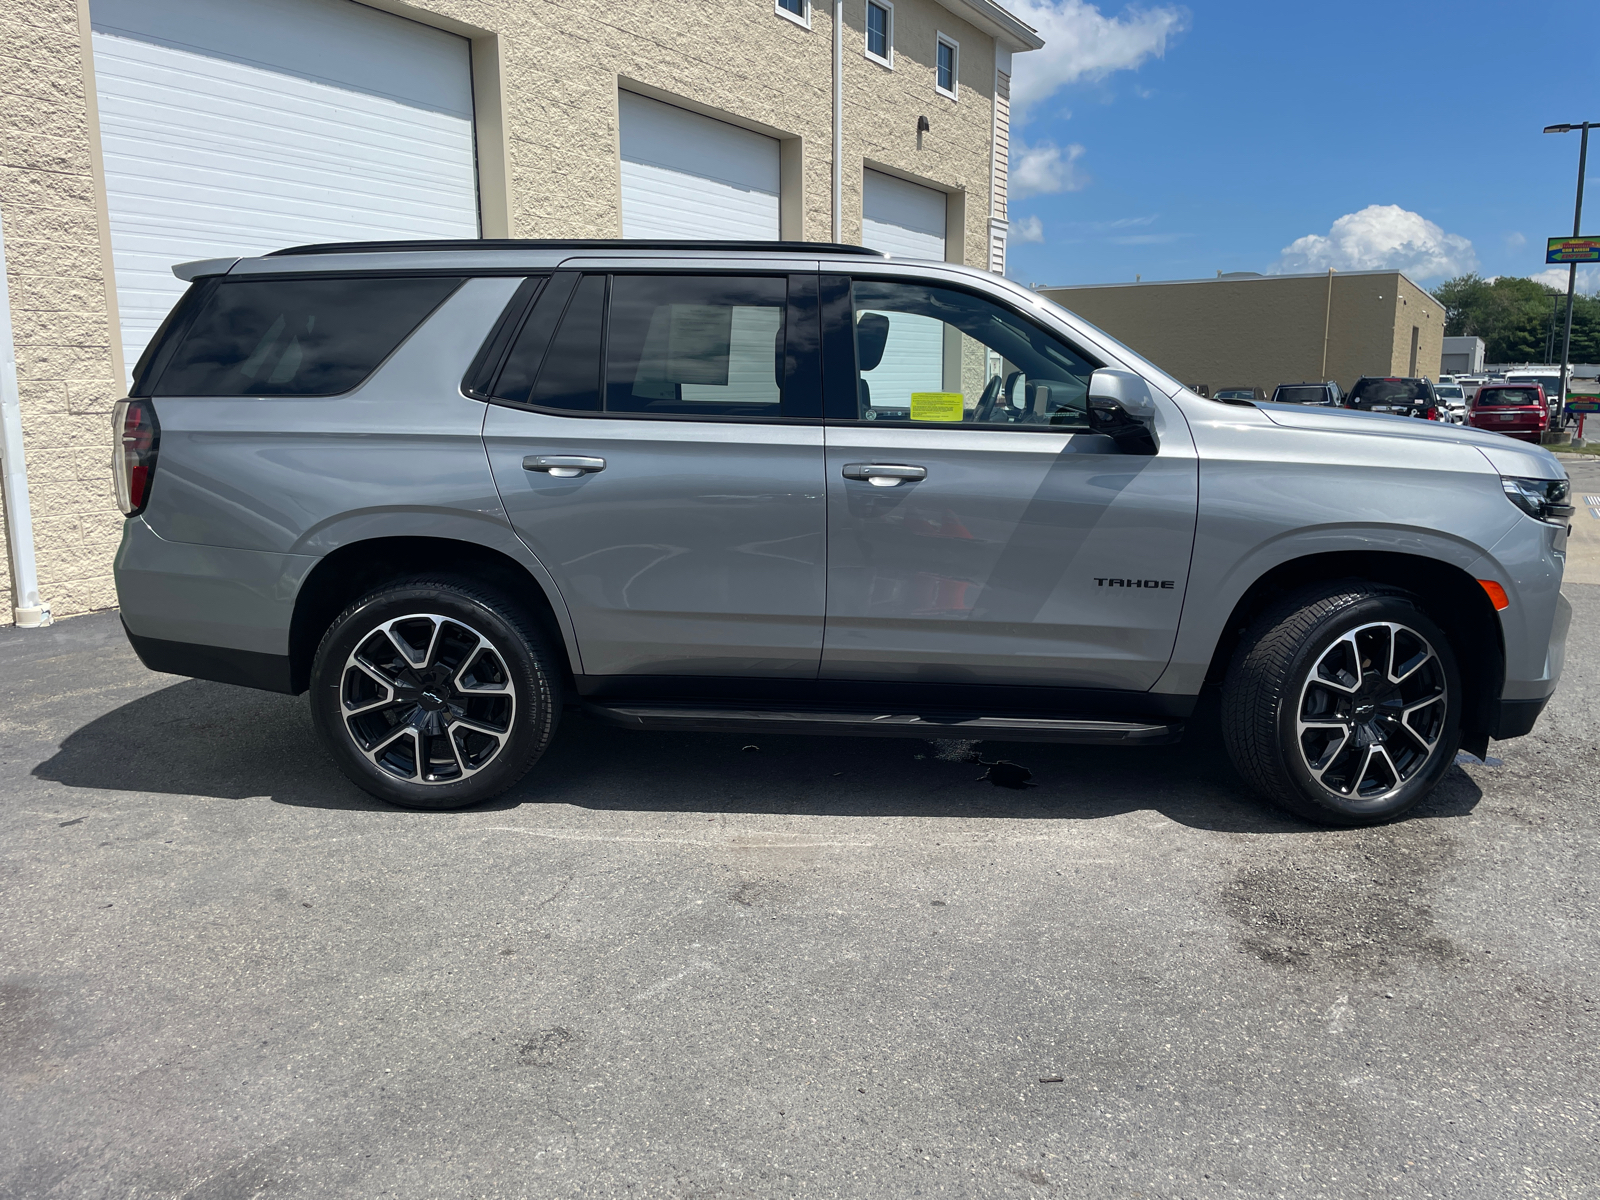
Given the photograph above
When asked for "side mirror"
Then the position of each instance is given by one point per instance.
(1121, 406)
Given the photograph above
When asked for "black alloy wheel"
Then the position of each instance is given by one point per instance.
(1343, 704)
(434, 693)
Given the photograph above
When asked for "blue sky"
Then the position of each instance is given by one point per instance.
(1261, 124)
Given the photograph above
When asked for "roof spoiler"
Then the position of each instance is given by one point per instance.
(190, 271)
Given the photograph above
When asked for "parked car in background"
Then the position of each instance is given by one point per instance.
(1237, 394)
(1549, 381)
(1517, 410)
(1447, 379)
(1326, 394)
(1402, 397)
(1452, 403)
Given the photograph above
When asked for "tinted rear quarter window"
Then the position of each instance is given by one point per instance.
(297, 337)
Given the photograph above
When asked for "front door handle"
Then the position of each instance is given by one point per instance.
(564, 466)
(884, 474)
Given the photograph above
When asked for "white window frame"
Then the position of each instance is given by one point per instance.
(803, 21)
(944, 39)
(888, 35)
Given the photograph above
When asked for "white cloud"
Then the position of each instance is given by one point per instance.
(1515, 241)
(1047, 167)
(1082, 43)
(1381, 237)
(1029, 229)
(1556, 277)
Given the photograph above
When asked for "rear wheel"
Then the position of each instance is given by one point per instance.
(1343, 704)
(434, 693)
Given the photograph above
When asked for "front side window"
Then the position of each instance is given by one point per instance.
(946, 69)
(935, 356)
(880, 32)
(688, 345)
(297, 337)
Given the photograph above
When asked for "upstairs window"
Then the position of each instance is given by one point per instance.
(880, 32)
(945, 72)
(798, 11)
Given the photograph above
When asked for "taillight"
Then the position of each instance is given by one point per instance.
(1433, 414)
(133, 462)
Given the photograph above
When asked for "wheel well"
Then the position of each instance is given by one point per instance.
(1451, 597)
(351, 571)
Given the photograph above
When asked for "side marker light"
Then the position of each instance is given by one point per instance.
(1497, 594)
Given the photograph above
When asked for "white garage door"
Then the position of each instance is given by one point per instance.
(242, 127)
(688, 176)
(904, 219)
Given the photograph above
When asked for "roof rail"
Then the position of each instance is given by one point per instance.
(572, 244)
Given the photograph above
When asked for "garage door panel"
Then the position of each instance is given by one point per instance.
(208, 156)
(685, 175)
(901, 218)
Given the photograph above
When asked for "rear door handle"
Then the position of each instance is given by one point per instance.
(564, 466)
(884, 474)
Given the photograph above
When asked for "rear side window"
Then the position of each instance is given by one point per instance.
(555, 360)
(686, 345)
(297, 337)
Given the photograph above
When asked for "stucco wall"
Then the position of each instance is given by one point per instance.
(56, 267)
(1269, 330)
(546, 77)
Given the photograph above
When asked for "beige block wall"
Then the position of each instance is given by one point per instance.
(1269, 330)
(58, 274)
(546, 78)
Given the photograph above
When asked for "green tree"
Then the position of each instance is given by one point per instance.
(1513, 316)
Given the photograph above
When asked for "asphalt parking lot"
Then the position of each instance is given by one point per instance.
(672, 966)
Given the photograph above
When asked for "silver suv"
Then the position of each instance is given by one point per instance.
(456, 488)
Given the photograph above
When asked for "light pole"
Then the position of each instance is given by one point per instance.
(1572, 268)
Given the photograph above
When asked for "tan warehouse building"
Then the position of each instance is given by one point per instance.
(1257, 331)
(141, 133)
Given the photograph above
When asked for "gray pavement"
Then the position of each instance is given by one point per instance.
(670, 966)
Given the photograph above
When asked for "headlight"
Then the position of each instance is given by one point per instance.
(1542, 499)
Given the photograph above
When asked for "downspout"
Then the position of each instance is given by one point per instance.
(1327, 322)
(838, 120)
(27, 611)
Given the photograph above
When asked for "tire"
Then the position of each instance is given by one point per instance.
(1333, 753)
(434, 693)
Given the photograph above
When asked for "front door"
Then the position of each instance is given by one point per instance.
(977, 533)
(655, 443)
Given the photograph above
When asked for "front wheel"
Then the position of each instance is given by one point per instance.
(434, 693)
(1343, 704)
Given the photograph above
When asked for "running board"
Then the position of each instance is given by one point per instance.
(702, 719)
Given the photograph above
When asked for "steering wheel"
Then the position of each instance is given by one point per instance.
(984, 410)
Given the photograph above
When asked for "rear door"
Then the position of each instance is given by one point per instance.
(656, 442)
(977, 533)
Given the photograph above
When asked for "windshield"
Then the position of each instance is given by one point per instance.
(1450, 393)
(1369, 392)
(1301, 395)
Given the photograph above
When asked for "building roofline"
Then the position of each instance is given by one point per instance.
(1015, 34)
(1240, 278)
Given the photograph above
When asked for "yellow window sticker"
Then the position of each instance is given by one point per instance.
(936, 406)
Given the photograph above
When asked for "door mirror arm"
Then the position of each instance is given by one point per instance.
(1121, 407)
